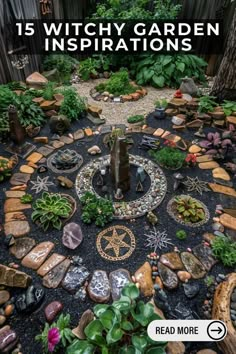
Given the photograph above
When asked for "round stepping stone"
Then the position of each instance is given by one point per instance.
(17, 228)
(208, 165)
(193, 265)
(220, 173)
(194, 149)
(26, 169)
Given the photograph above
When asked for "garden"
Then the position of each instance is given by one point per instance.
(118, 189)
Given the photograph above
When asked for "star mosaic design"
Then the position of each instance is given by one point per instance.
(194, 184)
(112, 240)
(41, 184)
(157, 239)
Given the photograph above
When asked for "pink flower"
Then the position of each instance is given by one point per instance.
(53, 338)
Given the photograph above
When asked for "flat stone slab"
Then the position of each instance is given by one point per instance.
(144, 277)
(193, 265)
(204, 158)
(13, 278)
(66, 139)
(57, 144)
(220, 173)
(168, 277)
(34, 157)
(79, 134)
(26, 169)
(50, 263)
(208, 165)
(218, 188)
(99, 287)
(38, 255)
(194, 149)
(15, 215)
(19, 178)
(172, 260)
(228, 221)
(46, 150)
(4, 296)
(205, 256)
(54, 278)
(14, 204)
(17, 228)
(75, 278)
(22, 247)
(118, 279)
(14, 194)
(158, 132)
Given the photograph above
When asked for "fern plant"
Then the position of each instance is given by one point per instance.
(50, 209)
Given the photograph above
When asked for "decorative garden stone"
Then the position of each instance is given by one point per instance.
(50, 263)
(52, 310)
(37, 256)
(17, 228)
(53, 279)
(75, 278)
(191, 289)
(205, 256)
(59, 124)
(8, 339)
(30, 300)
(193, 265)
(13, 278)
(72, 235)
(4, 297)
(22, 247)
(118, 279)
(143, 276)
(188, 86)
(85, 319)
(168, 277)
(99, 287)
(120, 168)
(172, 260)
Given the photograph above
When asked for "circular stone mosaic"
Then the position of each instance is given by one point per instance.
(52, 166)
(135, 208)
(174, 215)
(116, 243)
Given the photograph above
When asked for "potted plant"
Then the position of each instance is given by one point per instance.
(136, 120)
(160, 108)
(188, 210)
(52, 210)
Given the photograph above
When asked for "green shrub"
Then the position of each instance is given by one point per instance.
(64, 63)
(50, 209)
(29, 112)
(49, 91)
(206, 104)
(16, 85)
(6, 98)
(27, 198)
(229, 107)
(167, 70)
(168, 157)
(120, 327)
(181, 234)
(135, 119)
(5, 170)
(73, 105)
(189, 209)
(118, 84)
(225, 250)
(99, 210)
(87, 67)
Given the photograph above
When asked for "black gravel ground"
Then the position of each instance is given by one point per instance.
(28, 326)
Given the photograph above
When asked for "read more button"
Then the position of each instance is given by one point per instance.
(187, 330)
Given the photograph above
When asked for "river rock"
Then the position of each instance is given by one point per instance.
(4, 296)
(168, 277)
(75, 278)
(175, 348)
(50, 263)
(72, 235)
(79, 134)
(94, 150)
(194, 149)
(55, 276)
(183, 275)
(99, 287)
(37, 256)
(22, 247)
(17, 228)
(85, 319)
(30, 300)
(220, 173)
(193, 265)
(205, 256)
(172, 260)
(8, 339)
(191, 289)
(36, 80)
(52, 310)
(65, 182)
(26, 169)
(118, 279)
(144, 277)
(13, 278)
(14, 204)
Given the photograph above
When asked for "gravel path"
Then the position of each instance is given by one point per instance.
(117, 113)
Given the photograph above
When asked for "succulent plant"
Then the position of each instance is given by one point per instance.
(65, 160)
(27, 198)
(5, 169)
(50, 209)
(189, 209)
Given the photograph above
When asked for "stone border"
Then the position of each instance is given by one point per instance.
(180, 221)
(135, 208)
(135, 96)
(54, 169)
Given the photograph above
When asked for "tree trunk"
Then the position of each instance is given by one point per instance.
(224, 87)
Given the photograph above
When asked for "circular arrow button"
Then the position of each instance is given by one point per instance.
(217, 330)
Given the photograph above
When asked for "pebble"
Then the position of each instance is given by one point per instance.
(52, 310)
(9, 310)
(4, 296)
(218, 227)
(2, 320)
